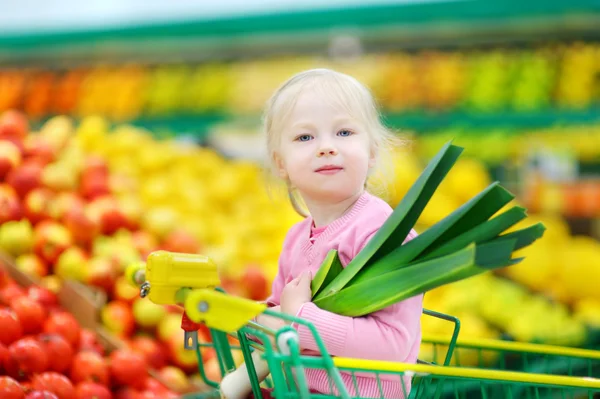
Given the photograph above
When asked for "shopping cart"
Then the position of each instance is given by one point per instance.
(226, 316)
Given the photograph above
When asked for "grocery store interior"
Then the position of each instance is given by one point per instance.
(129, 127)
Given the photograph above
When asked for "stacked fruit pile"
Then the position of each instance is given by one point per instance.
(45, 353)
(65, 216)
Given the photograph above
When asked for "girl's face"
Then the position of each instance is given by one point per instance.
(323, 152)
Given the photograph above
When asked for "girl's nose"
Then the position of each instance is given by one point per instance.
(327, 151)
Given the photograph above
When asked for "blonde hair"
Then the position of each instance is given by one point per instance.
(342, 90)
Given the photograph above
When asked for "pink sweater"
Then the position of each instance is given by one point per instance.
(391, 334)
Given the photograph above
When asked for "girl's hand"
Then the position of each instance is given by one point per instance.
(296, 293)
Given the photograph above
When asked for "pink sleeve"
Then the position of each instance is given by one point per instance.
(391, 332)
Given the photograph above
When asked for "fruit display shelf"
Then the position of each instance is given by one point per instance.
(104, 197)
(543, 85)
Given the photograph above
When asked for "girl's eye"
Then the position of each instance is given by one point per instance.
(344, 133)
(304, 137)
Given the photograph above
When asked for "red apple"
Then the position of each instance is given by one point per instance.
(128, 393)
(125, 291)
(10, 157)
(43, 296)
(144, 242)
(169, 326)
(255, 282)
(91, 367)
(101, 274)
(181, 357)
(14, 125)
(175, 378)
(55, 383)
(64, 202)
(132, 208)
(11, 329)
(94, 186)
(64, 324)
(27, 357)
(89, 342)
(51, 240)
(212, 370)
(57, 130)
(10, 207)
(11, 291)
(25, 178)
(128, 368)
(72, 264)
(117, 318)
(37, 148)
(82, 225)
(37, 204)
(95, 165)
(59, 350)
(156, 387)
(106, 210)
(32, 265)
(153, 351)
(30, 313)
(87, 390)
(147, 314)
(180, 241)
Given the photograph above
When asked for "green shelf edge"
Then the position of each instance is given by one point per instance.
(421, 123)
(422, 14)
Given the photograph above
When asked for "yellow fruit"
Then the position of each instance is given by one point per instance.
(588, 311)
(467, 178)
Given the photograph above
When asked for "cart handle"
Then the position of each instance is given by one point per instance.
(465, 372)
(510, 346)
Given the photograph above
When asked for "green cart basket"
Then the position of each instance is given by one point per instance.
(505, 370)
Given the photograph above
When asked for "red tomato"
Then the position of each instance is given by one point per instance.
(152, 350)
(60, 353)
(55, 383)
(63, 323)
(11, 327)
(27, 357)
(41, 395)
(128, 368)
(10, 292)
(30, 313)
(43, 296)
(90, 366)
(87, 390)
(89, 342)
(10, 389)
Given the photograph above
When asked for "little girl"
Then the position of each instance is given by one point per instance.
(324, 139)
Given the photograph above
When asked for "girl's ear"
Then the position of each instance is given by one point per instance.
(373, 156)
(279, 164)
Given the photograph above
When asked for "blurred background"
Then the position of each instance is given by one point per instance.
(134, 125)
